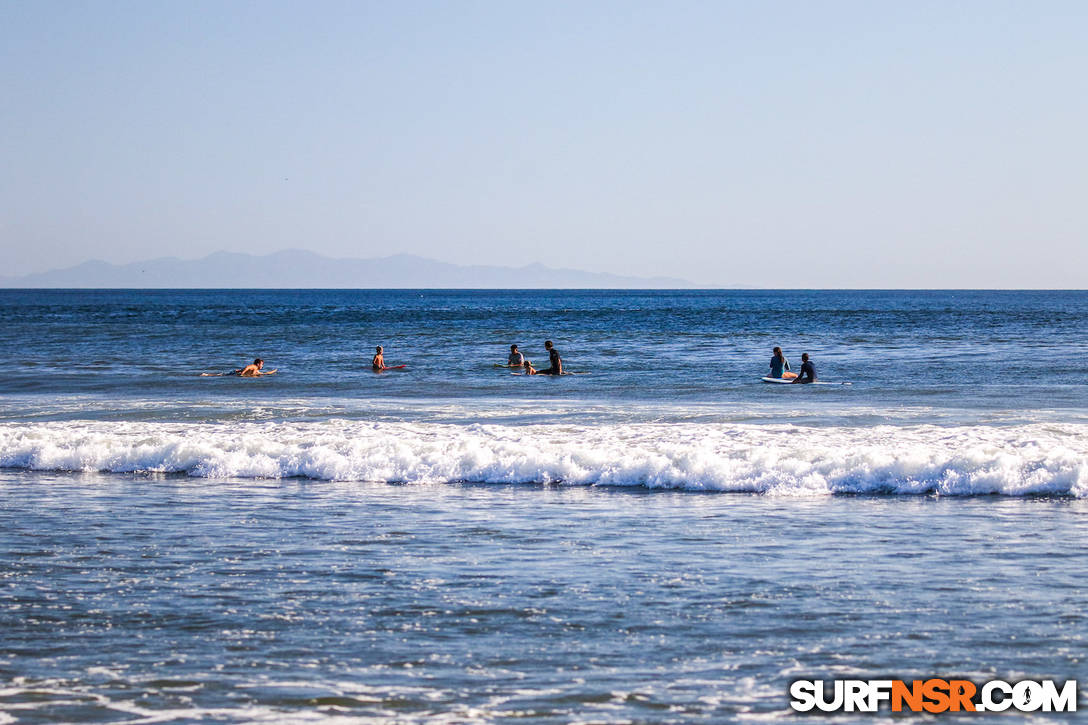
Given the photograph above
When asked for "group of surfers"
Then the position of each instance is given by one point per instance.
(780, 366)
(516, 360)
(555, 362)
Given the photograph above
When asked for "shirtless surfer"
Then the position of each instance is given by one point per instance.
(378, 363)
(253, 370)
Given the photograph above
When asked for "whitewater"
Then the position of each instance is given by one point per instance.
(777, 460)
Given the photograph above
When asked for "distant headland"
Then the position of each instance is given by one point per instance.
(299, 269)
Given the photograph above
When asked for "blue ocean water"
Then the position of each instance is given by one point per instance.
(971, 350)
(660, 537)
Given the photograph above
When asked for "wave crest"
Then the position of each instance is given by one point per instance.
(777, 459)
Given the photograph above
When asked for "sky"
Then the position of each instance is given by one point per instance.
(774, 144)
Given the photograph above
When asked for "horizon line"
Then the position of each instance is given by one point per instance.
(545, 289)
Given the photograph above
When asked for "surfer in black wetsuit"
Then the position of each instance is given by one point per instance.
(554, 359)
(808, 371)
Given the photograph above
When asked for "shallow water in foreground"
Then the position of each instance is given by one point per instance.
(148, 599)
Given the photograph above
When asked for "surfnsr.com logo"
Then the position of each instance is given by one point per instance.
(933, 696)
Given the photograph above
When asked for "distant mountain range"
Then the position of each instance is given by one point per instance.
(301, 269)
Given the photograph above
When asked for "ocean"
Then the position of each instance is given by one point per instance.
(658, 537)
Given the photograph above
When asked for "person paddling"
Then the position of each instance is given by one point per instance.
(254, 370)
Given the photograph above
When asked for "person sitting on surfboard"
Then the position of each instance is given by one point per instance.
(808, 371)
(378, 363)
(516, 359)
(780, 365)
(528, 369)
(553, 358)
(253, 370)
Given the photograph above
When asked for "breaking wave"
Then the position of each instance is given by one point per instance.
(1020, 460)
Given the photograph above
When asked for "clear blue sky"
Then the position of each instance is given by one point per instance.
(783, 144)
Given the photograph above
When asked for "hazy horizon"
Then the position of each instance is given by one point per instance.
(515, 283)
(841, 145)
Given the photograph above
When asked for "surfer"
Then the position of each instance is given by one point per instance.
(378, 363)
(253, 370)
(779, 364)
(808, 371)
(516, 359)
(528, 369)
(554, 360)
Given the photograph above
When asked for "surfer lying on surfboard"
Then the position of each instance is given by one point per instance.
(528, 369)
(253, 370)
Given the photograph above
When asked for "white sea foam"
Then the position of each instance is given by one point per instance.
(771, 459)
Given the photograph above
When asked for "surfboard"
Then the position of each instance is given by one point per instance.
(789, 381)
(392, 367)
